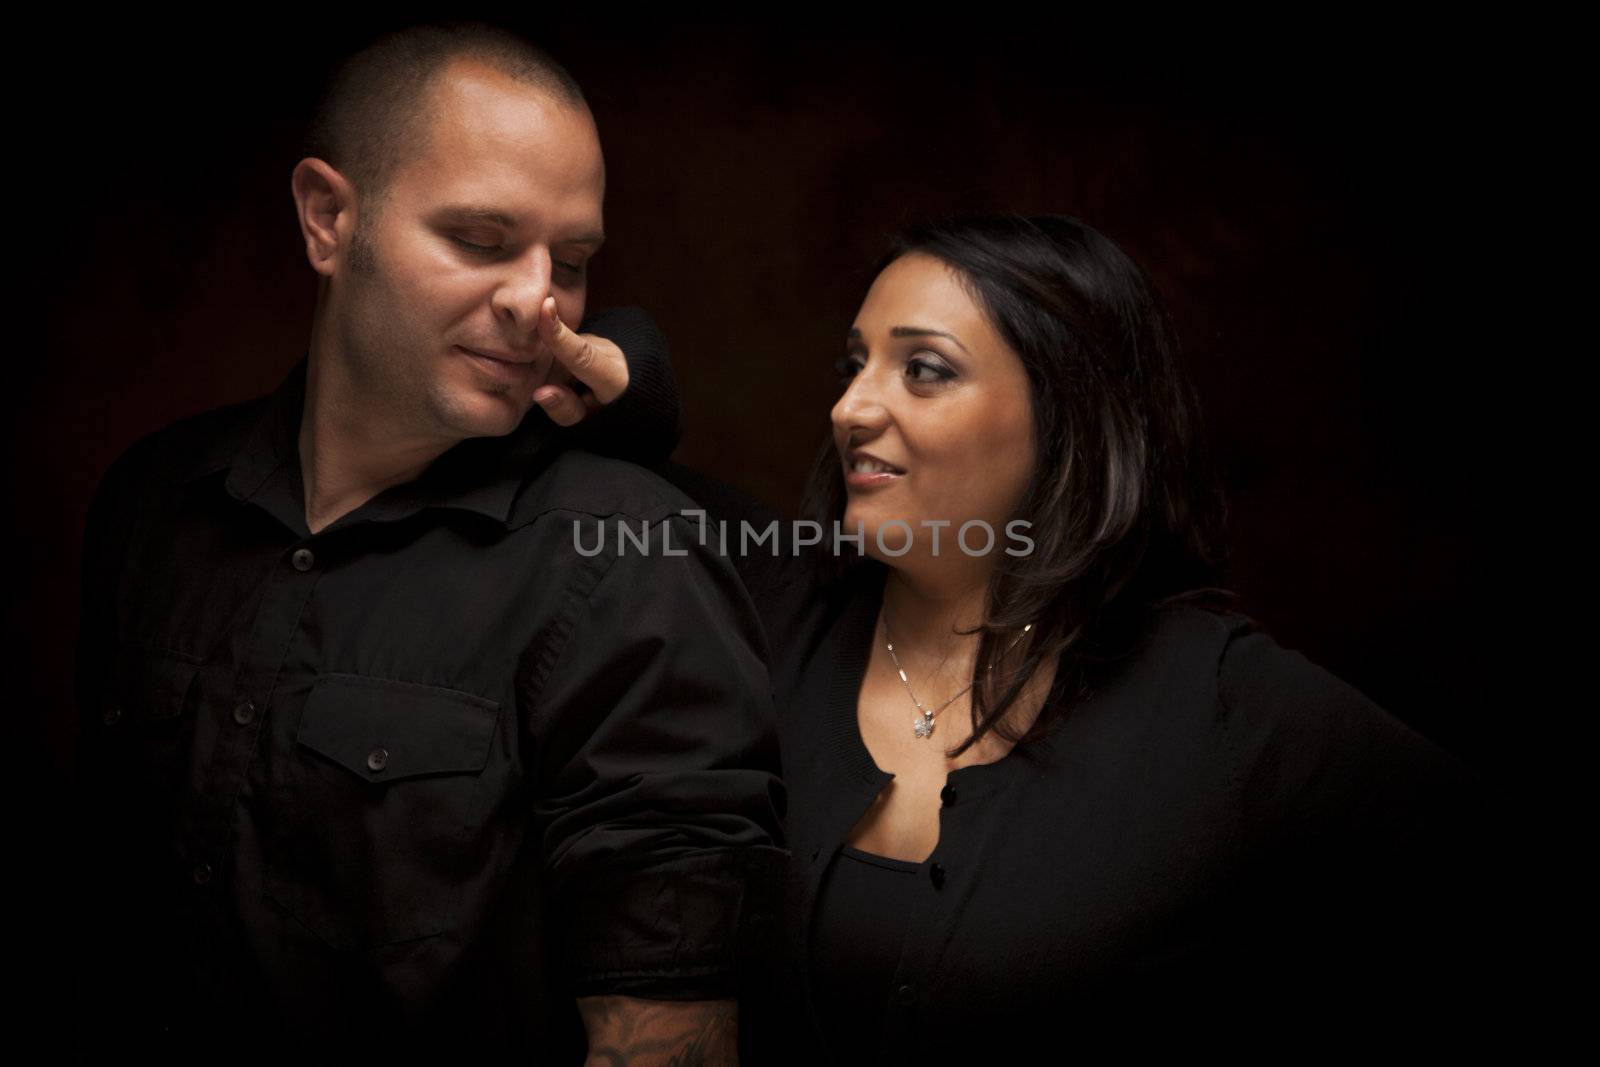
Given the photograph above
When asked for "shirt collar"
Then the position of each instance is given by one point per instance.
(480, 474)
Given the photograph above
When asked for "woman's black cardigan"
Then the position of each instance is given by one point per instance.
(1224, 842)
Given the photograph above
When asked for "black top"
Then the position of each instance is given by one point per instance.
(368, 784)
(861, 917)
(1224, 845)
(1224, 831)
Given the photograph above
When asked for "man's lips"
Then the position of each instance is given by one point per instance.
(501, 357)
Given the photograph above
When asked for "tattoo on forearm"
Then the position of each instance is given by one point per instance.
(632, 1032)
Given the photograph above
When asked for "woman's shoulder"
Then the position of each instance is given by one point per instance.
(1174, 653)
(1254, 675)
(1343, 811)
(1271, 690)
(1296, 734)
(1309, 748)
(1189, 634)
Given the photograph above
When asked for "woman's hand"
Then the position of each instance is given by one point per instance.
(587, 358)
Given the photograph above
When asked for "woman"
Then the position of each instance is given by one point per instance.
(1049, 792)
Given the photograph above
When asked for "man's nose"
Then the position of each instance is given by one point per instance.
(521, 293)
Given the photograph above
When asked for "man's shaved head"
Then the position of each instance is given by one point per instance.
(374, 113)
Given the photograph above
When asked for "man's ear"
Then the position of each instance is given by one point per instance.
(325, 203)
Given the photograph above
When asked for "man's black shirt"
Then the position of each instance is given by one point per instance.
(422, 776)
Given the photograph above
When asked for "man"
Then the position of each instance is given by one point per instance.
(371, 756)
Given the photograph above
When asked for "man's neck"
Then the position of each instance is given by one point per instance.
(350, 449)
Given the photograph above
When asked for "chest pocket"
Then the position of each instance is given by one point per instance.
(135, 745)
(382, 804)
(146, 686)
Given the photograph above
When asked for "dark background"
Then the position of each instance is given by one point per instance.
(1313, 213)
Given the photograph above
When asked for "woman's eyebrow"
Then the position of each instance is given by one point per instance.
(914, 331)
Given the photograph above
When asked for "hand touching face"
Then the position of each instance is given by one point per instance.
(440, 295)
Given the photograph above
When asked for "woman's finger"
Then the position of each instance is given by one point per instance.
(591, 359)
(565, 407)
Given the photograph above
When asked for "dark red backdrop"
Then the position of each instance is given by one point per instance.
(1305, 215)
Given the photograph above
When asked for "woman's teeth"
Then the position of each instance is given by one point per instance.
(868, 466)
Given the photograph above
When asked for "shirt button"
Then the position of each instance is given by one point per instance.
(936, 875)
(113, 715)
(906, 995)
(303, 560)
(948, 795)
(244, 714)
(202, 874)
(377, 760)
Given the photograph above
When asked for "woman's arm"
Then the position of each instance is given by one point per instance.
(631, 410)
(1374, 845)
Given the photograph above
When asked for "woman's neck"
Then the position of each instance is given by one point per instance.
(924, 616)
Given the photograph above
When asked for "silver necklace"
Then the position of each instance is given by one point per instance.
(922, 725)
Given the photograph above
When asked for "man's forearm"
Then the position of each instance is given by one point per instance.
(634, 1032)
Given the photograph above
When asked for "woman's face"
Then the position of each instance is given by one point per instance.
(936, 420)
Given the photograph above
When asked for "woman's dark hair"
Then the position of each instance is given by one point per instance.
(1124, 507)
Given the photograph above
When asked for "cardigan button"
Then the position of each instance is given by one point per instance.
(948, 795)
(906, 995)
(936, 875)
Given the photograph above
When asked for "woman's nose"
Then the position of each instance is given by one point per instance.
(861, 406)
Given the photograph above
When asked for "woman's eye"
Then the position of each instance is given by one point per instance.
(927, 371)
(846, 367)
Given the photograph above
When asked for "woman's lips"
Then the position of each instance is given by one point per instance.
(869, 472)
(870, 481)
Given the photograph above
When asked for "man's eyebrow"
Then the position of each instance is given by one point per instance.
(471, 213)
(914, 331)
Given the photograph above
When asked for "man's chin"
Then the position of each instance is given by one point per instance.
(485, 415)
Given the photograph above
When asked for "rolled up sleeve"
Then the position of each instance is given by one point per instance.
(658, 802)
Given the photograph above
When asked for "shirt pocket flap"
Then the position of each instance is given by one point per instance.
(384, 730)
(147, 685)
